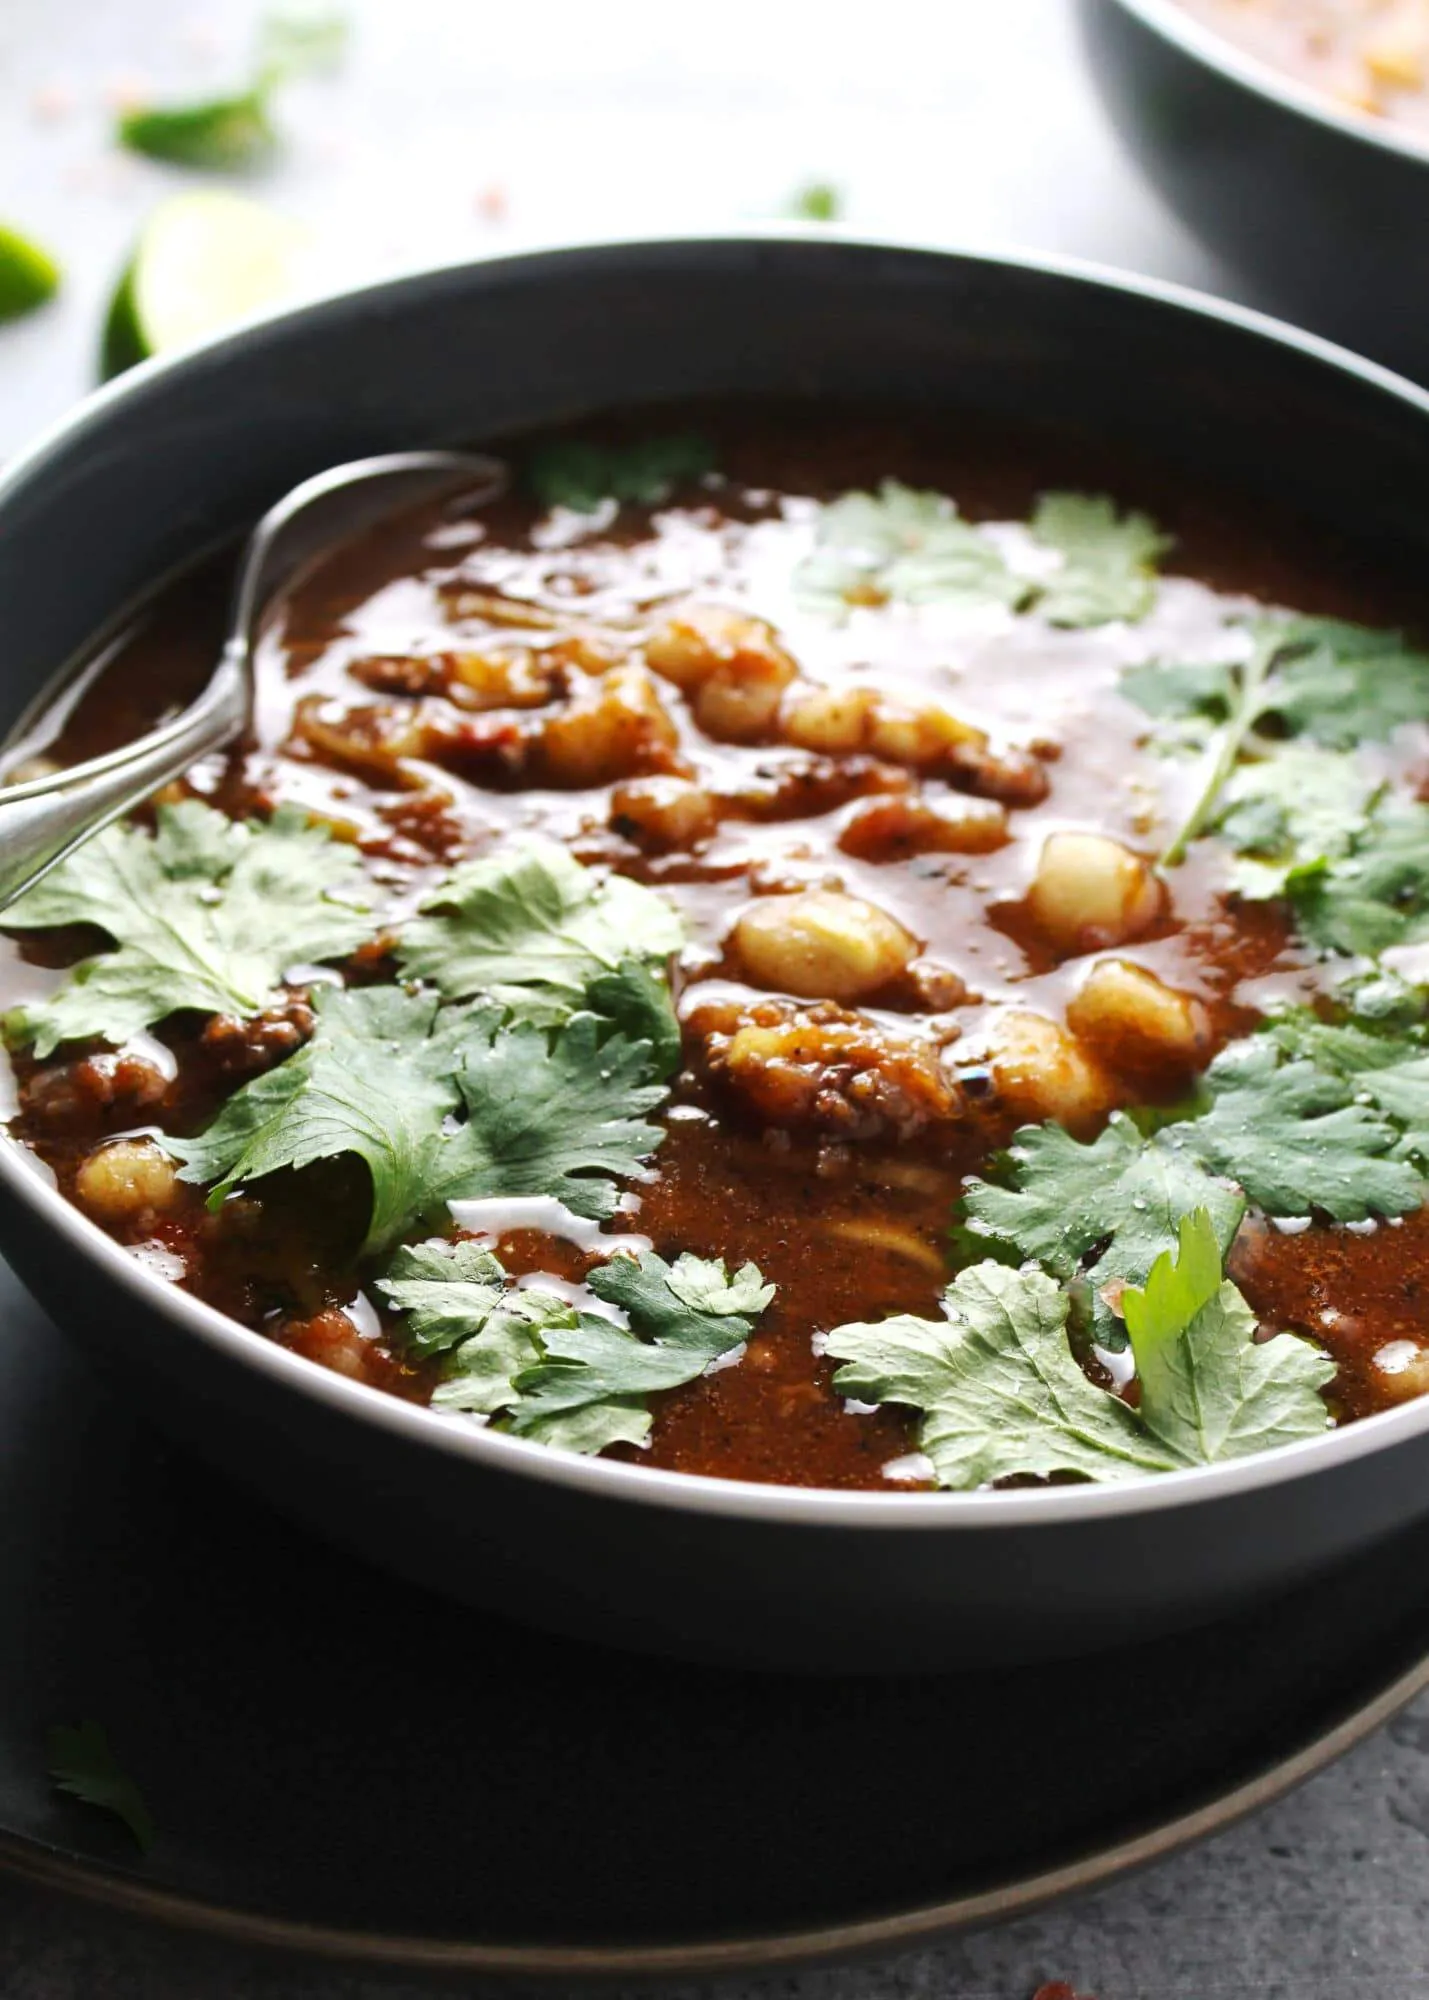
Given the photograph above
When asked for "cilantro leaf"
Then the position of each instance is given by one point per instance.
(575, 1379)
(589, 1390)
(1295, 1138)
(385, 1077)
(695, 1299)
(1108, 559)
(1343, 684)
(999, 1388)
(1002, 1394)
(913, 547)
(1247, 704)
(82, 1765)
(1291, 812)
(481, 1370)
(1209, 1390)
(378, 1079)
(444, 1289)
(908, 546)
(1384, 997)
(1120, 1196)
(456, 1301)
(534, 930)
(1377, 895)
(1389, 1070)
(637, 1001)
(1184, 691)
(558, 1115)
(1292, 1123)
(1335, 685)
(206, 912)
(570, 472)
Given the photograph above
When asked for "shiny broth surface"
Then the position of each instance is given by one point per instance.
(651, 687)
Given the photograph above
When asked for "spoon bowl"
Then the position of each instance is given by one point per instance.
(47, 818)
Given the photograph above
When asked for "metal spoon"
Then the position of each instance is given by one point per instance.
(46, 819)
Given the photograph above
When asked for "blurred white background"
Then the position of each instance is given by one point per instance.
(451, 130)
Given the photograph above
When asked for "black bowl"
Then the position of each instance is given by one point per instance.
(182, 452)
(1321, 211)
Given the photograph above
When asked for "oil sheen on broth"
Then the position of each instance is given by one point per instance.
(645, 686)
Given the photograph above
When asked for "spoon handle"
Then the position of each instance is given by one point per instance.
(43, 821)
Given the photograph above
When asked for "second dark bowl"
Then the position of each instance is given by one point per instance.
(1322, 213)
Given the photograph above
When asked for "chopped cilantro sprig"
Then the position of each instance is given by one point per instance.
(1385, 1067)
(904, 546)
(206, 912)
(1210, 1390)
(536, 1079)
(543, 1368)
(581, 475)
(441, 1104)
(1108, 567)
(1246, 704)
(1289, 815)
(1375, 895)
(1296, 1120)
(999, 1388)
(1324, 681)
(1002, 1394)
(538, 933)
(1118, 1200)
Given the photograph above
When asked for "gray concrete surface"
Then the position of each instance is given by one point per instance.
(456, 130)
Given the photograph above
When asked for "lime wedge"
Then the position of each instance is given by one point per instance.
(202, 260)
(28, 274)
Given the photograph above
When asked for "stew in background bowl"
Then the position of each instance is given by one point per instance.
(1315, 204)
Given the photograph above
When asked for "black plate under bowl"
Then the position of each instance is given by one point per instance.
(1319, 208)
(340, 1763)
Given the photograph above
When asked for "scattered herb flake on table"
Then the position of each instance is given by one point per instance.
(235, 131)
(83, 1766)
(816, 201)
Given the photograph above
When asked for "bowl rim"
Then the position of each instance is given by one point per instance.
(612, 1481)
(1216, 51)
